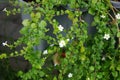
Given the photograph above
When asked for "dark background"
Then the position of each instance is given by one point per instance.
(9, 31)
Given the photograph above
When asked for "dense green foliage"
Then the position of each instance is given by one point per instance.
(76, 55)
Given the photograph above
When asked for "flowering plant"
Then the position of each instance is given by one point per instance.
(73, 50)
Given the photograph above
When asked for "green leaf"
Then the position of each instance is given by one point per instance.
(41, 73)
(26, 22)
(20, 73)
(94, 1)
(91, 68)
(91, 11)
(96, 19)
(32, 15)
(115, 73)
(118, 67)
(93, 23)
(3, 56)
(118, 34)
(37, 1)
(99, 75)
(54, 78)
(33, 25)
(38, 15)
(83, 57)
(58, 13)
(43, 23)
(82, 49)
(24, 30)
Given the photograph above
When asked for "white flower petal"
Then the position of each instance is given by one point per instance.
(52, 45)
(4, 9)
(70, 75)
(4, 43)
(68, 39)
(62, 43)
(106, 36)
(117, 16)
(45, 52)
(56, 64)
(60, 27)
(102, 16)
(103, 58)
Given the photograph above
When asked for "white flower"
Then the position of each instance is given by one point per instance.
(56, 64)
(102, 16)
(4, 43)
(103, 58)
(60, 27)
(4, 9)
(70, 75)
(117, 16)
(45, 52)
(68, 39)
(106, 36)
(52, 45)
(62, 43)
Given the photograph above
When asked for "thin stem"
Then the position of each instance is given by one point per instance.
(115, 9)
(111, 16)
(118, 32)
(116, 22)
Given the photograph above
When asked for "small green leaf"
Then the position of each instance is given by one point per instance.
(24, 30)
(91, 68)
(41, 73)
(33, 25)
(118, 67)
(99, 75)
(3, 56)
(82, 49)
(37, 1)
(38, 15)
(58, 13)
(32, 15)
(43, 23)
(115, 73)
(83, 57)
(91, 11)
(26, 22)
(96, 19)
(20, 73)
(54, 78)
(118, 34)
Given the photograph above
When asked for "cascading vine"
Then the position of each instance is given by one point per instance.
(79, 36)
